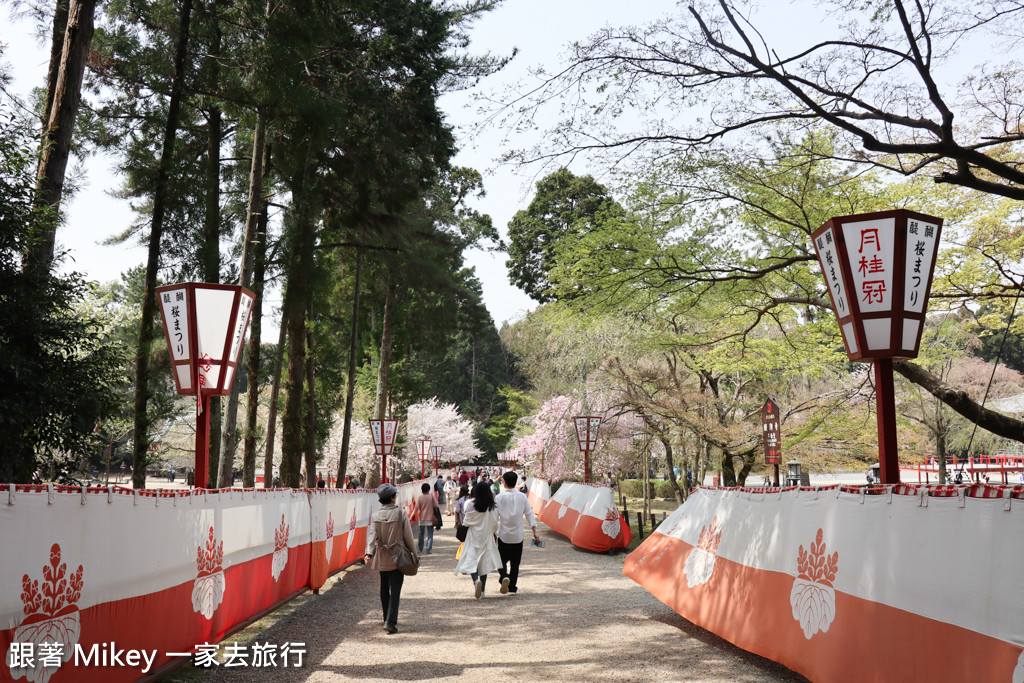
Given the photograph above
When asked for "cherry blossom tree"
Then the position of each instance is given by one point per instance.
(553, 439)
(361, 457)
(444, 426)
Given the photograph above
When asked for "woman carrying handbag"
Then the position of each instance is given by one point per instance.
(388, 533)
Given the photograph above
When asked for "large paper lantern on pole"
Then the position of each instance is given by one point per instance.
(383, 433)
(204, 325)
(586, 437)
(878, 267)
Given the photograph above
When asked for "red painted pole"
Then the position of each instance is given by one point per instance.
(383, 467)
(888, 457)
(202, 469)
(586, 466)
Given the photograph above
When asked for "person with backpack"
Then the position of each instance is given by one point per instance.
(389, 527)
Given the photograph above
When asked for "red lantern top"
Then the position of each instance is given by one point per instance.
(878, 267)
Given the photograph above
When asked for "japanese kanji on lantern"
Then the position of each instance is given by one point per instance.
(878, 269)
(586, 436)
(383, 433)
(204, 325)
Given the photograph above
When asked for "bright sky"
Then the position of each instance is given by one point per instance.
(540, 29)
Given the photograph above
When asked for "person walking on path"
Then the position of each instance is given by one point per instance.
(450, 490)
(512, 507)
(425, 514)
(389, 526)
(479, 551)
(439, 489)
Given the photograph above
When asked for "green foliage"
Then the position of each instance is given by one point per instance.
(565, 205)
(517, 405)
(54, 365)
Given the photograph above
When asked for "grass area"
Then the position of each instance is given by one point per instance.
(660, 509)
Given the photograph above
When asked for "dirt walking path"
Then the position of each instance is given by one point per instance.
(576, 618)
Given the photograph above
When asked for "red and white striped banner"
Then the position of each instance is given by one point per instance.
(90, 576)
(587, 515)
(538, 492)
(850, 585)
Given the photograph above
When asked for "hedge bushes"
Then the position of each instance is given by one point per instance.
(634, 488)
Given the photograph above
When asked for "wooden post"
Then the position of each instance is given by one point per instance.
(888, 457)
(640, 524)
(202, 477)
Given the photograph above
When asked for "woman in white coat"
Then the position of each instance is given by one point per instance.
(480, 550)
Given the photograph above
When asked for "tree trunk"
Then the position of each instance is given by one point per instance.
(680, 496)
(310, 416)
(210, 257)
(146, 334)
(380, 403)
(60, 26)
(350, 390)
(275, 392)
(252, 220)
(253, 367)
(60, 121)
(296, 303)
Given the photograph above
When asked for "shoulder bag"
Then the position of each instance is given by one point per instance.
(405, 560)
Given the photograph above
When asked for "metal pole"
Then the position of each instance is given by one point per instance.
(888, 457)
(202, 478)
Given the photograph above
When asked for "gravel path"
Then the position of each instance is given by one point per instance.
(576, 618)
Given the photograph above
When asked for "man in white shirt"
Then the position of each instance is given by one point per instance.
(512, 506)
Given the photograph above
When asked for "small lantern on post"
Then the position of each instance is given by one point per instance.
(204, 325)
(422, 448)
(435, 455)
(770, 423)
(586, 437)
(383, 433)
(878, 268)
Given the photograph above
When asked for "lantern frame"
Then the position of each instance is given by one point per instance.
(586, 437)
(186, 367)
(891, 326)
(435, 455)
(383, 433)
